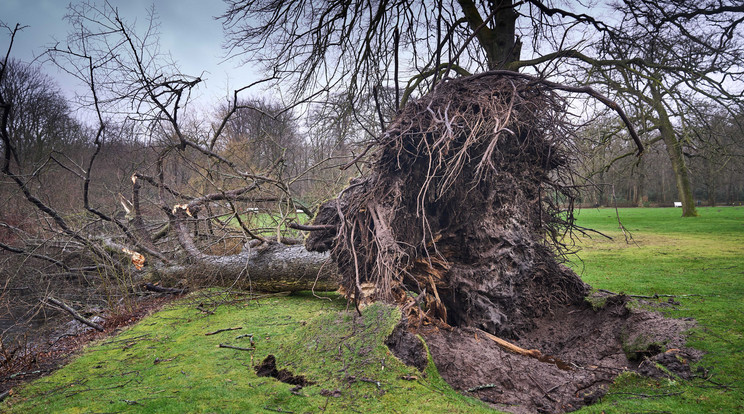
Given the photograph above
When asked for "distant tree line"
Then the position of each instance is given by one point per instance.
(712, 147)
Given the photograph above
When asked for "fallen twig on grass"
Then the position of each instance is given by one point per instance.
(654, 296)
(637, 395)
(352, 379)
(239, 348)
(223, 330)
(76, 392)
(278, 410)
(715, 384)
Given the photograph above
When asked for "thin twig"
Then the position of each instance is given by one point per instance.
(239, 348)
(223, 330)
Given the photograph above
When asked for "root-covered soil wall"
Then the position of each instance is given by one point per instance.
(460, 216)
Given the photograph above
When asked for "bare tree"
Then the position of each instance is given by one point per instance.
(188, 209)
(40, 119)
(657, 54)
(669, 56)
(715, 154)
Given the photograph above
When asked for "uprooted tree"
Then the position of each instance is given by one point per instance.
(461, 208)
(173, 222)
(467, 202)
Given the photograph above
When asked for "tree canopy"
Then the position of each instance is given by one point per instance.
(658, 58)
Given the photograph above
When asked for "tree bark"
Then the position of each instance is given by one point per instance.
(499, 42)
(674, 150)
(640, 184)
(271, 267)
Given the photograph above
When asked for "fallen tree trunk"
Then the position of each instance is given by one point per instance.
(270, 268)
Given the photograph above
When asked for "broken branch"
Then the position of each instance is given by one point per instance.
(317, 227)
(239, 348)
(159, 289)
(74, 313)
(532, 353)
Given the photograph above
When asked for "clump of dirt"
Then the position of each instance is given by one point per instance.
(407, 347)
(596, 344)
(267, 368)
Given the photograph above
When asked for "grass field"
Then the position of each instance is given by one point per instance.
(166, 363)
(699, 259)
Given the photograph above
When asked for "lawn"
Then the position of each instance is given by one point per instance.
(701, 261)
(167, 363)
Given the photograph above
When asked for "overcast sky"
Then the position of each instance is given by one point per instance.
(188, 30)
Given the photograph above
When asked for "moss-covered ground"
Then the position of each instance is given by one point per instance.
(167, 364)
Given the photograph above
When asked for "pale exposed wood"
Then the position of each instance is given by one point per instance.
(532, 353)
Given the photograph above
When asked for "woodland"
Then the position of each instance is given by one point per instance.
(426, 154)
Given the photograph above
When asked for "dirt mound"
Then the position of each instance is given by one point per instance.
(597, 345)
(460, 219)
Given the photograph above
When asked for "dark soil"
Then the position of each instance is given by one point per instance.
(597, 345)
(267, 368)
(407, 347)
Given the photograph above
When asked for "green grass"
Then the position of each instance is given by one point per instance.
(266, 220)
(700, 259)
(166, 364)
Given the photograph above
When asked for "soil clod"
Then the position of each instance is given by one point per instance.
(593, 342)
(407, 347)
(267, 368)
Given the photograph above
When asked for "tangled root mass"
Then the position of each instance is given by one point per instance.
(461, 216)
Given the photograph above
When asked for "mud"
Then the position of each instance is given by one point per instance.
(267, 368)
(597, 346)
(407, 347)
